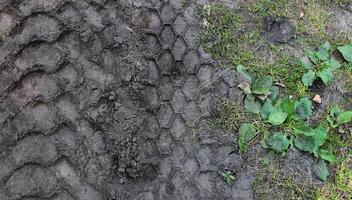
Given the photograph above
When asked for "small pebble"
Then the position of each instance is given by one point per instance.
(317, 99)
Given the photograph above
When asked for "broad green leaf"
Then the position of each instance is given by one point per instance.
(245, 87)
(333, 114)
(303, 108)
(321, 134)
(306, 143)
(245, 134)
(301, 128)
(312, 55)
(326, 155)
(346, 52)
(264, 144)
(306, 63)
(321, 171)
(260, 90)
(277, 142)
(288, 106)
(326, 75)
(324, 51)
(274, 92)
(277, 117)
(251, 104)
(326, 46)
(242, 70)
(266, 109)
(344, 117)
(333, 64)
(264, 81)
(322, 54)
(308, 78)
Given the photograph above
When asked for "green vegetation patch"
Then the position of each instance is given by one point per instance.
(277, 104)
(291, 116)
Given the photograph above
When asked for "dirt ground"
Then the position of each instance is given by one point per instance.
(110, 99)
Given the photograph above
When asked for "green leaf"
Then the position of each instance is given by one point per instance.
(277, 117)
(306, 143)
(266, 109)
(301, 128)
(251, 104)
(344, 117)
(277, 142)
(245, 134)
(245, 87)
(274, 92)
(333, 64)
(320, 134)
(326, 155)
(306, 63)
(346, 52)
(308, 78)
(331, 118)
(242, 70)
(312, 55)
(288, 106)
(326, 46)
(324, 51)
(308, 139)
(321, 171)
(326, 75)
(322, 54)
(303, 108)
(260, 90)
(264, 82)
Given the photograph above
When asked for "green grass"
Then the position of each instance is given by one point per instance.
(222, 36)
(230, 116)
(235, 38)
(344, 76)
(340, 186)
(271, 183)
(265, 8)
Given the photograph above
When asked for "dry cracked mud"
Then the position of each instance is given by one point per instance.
(104, 99)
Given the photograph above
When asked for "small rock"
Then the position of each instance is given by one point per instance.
(317, 99)
(278, 29)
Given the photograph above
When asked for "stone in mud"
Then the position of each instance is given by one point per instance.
(278, 29)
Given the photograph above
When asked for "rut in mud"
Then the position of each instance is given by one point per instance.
(103, 99)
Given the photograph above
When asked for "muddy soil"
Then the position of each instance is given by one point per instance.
(106, 99)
